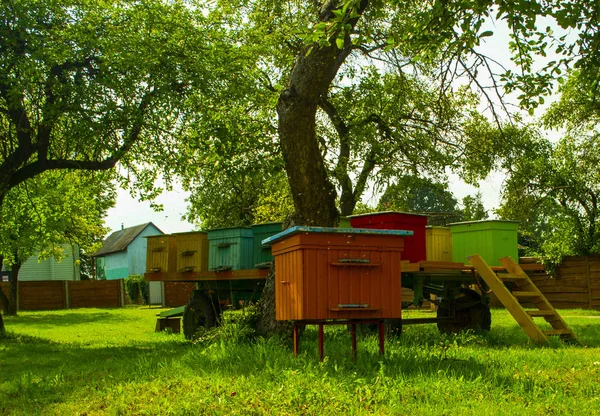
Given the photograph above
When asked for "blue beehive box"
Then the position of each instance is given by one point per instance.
(230, 249)
(262, 255)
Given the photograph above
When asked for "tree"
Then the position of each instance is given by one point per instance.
(446, 32)
(423, 196)
(371, 122)
(41, 214)
(426, 196)
(554, 192)
(84, 85)
(473, 209)
(553, 188)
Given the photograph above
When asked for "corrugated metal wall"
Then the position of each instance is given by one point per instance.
(36, 269)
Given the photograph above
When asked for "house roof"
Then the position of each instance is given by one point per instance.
(119, 240)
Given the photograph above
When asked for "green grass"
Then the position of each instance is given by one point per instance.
(98, 361)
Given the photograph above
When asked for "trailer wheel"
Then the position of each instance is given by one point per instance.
(476, 317)
(200, 311)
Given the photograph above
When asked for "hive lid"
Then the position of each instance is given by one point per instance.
(483, 222)
(306, 229)
(385, 213)
(189, 232)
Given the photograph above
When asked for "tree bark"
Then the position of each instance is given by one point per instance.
(3, 298)
(11, 308)
(314, 70)
(267, 325)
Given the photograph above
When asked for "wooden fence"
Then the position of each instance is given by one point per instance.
(42, 295)
(575, 285)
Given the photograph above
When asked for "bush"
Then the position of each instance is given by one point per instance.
(237, 326)
(135, 285)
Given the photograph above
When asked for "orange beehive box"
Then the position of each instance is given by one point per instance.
(337, 273)
(161, 256)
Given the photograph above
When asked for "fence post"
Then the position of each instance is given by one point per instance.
(67, 295)
(588, 279)
(122, 290)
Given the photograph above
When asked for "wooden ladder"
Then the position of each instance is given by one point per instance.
(524, 291)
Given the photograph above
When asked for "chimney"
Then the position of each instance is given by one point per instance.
(122, 226)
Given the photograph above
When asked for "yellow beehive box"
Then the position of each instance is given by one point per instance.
(160, 254)
(438, 241)
(192, 251)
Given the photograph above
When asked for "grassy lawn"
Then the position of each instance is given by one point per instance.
(110, 361)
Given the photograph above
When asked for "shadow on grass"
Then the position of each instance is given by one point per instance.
(67, 318)
(37, 372)
(40, 374)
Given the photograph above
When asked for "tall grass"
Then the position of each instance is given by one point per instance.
(93, 361)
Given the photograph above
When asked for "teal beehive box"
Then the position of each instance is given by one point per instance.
(262, 255)
(491, 239)
(230, 249)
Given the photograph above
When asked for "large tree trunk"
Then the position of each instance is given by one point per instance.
(313, 193)
(2, 329)
(11, 308)
(312, 74)
(3, 298)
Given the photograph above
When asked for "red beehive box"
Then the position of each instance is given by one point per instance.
(415, 247)
(337, 273)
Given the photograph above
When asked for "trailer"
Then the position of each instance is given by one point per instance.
(458, 290)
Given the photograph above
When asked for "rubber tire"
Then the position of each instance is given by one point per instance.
(477, 318)
(200, 311)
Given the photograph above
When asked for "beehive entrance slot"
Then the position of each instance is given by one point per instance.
(225, 245)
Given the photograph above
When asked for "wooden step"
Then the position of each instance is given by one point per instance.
(558, 332)
(526, 295)
(534, 314)
(507, 277)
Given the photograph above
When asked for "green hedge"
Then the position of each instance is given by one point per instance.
(135, 285)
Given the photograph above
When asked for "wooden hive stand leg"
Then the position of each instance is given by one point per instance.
(381, 338)
(321, 342)
(353, 333)
(296, 339)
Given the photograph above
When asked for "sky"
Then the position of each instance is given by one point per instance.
(129, 212)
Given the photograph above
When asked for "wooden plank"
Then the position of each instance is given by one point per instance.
(95, 294)
(569, 305)
(563, 289)
(564, 297)
(207, 275)
(407, 267)
(42, 295)
(534, 267)
(563, 272)
(580, 283)
(443, 265)
(523, 319)
(178, 293)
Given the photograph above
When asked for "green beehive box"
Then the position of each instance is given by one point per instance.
(262, 255)
(491, 239)
(230, 249)
(344, 223)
